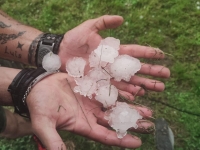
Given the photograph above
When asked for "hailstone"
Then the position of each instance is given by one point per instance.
(100, 76)
(112, 42)
(86, 86)
(75, 66)
(107, 95)
(94, 60)
(124, 67)
(122, 117)
(51, 62)
(106, 53)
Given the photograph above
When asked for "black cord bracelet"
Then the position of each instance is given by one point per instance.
(19, 86)
(47, 43)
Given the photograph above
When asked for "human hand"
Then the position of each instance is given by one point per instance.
(82, 40)
(53, 105)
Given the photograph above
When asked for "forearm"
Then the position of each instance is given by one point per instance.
(15, 125)
(6, 75)
(18, 42)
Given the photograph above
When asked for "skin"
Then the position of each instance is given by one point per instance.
(67, 111)
(16, 40)
(17, 127)
(51, 111)
(72, 112)
(83, 39)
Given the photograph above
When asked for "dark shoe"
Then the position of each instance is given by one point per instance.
(163, 135)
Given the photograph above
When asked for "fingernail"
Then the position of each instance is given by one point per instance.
(135, 137)
(146, 115)
(146, 126)
(152, 112)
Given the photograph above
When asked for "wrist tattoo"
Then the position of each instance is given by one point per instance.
(11, 53)
(32, 50)
(20, 46)
(4, 38)
(3, 25)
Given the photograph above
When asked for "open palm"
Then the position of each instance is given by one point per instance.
(82, 40)
(53, 105)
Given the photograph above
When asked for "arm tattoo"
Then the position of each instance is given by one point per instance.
(4, 38)
(32, 50)
(3, 25)
(20, 46)
(15, 54)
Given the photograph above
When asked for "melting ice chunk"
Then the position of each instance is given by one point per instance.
(106, 53)
(124, 67)
(107, 95)
(100, 76)
(94, 60)
(122, 117)
(51, 62)
(86, 86)
(75, 66)
(112, 42)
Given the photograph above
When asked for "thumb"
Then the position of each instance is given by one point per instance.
(48, 135)
(106, 22)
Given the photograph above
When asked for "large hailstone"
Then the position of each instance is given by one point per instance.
(107, 95)
(75, 66)
(124, 67)
(122, 117)
(106, 53)
(112, 42)
(51, 62)
(100, 76)
(86, 86)
(94, 60)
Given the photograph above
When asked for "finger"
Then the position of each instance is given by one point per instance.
(109, 137)
(106, 22)
(46, 132)
(154, 70)
(144, 126)
(141, 51)
(144, 111)
(147, 84)
(125, 96)
(130, 88)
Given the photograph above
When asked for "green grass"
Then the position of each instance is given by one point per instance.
(171, 25)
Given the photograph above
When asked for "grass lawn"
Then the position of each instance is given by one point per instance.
(171, 25)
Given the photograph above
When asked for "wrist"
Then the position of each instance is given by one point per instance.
(7, 75)
(22, 85)
(47, 43)
(63, 56)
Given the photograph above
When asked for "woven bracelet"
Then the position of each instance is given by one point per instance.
(21, 86)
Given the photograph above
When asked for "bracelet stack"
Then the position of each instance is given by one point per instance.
(27, 78)
(21, 86)
(47, 43)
